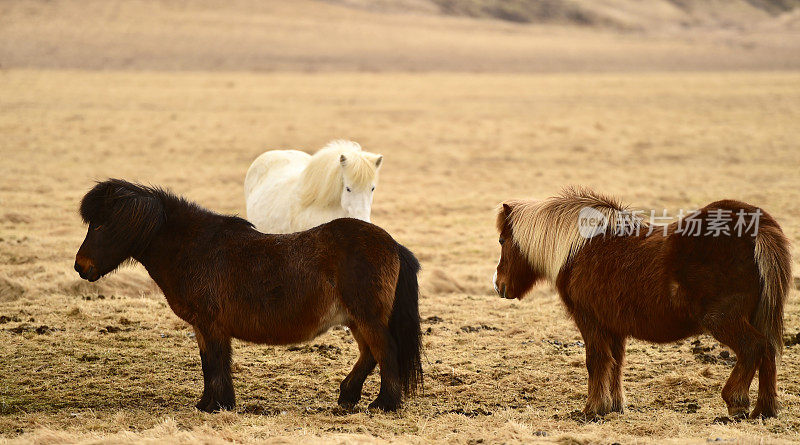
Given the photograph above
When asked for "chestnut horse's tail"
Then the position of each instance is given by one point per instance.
(774, 265)
(404, 322)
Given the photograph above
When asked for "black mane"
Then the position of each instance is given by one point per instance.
(105, 199)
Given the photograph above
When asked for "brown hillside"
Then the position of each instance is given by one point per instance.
(407, 35)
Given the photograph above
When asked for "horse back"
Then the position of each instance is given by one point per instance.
(273, 165)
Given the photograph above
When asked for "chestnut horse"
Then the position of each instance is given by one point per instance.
(660, 287)
(228, 280)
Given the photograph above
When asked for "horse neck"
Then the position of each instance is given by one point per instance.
(180, 231)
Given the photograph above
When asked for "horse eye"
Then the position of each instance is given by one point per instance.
(373, 188)
(348, 189)
(98, 227)
(502, 241)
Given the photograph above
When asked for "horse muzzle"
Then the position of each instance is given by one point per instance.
(89, 274)
(502, 291)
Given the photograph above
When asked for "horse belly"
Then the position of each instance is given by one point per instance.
(285, 324)
(655, 315)
(664, 330)
(632, 302)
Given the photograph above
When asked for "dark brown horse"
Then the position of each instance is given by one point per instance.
(230, 281)
(659, 287)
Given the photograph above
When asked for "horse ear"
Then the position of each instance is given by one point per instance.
(343, 160)
(378, 161)
(502, 216)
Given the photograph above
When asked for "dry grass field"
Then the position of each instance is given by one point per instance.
(467, 112)
(109, 360)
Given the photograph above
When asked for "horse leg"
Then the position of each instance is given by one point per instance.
(384, 350)
(215, 356)
(767, 404)
(750, 347)
(617, 393)
(205, 399)
(350, 389)
(598, 364)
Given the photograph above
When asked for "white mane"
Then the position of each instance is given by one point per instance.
(322, 179)
(547, 231)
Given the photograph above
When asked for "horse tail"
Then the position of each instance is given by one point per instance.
(404, 322)
(774, 263)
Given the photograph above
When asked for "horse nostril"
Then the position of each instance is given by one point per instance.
(77, 267)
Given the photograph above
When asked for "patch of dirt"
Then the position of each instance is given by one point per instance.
(471, 413)
(328, 351)
(792, 340)
(688, 406)
(564, 345)
(479, 328)
(25, 327)
(705, 354)
(6, 319)
(724, 420)
(110, 329)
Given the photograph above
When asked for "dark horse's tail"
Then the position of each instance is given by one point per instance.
(774, 265)
(404, 322)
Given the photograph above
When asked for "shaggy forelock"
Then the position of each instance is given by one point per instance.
(360, 169)
(97, 205)
(132, 212)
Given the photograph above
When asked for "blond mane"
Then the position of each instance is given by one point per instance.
(547, 231)
(322, 179)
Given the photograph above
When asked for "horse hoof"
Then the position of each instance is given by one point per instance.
(347, 405)
(597, 411)
(204, 406)
(384, 405)
(348, 402)
(589, 416)
(580, 416)
(764, 410)
(738, 412)
(212, 406)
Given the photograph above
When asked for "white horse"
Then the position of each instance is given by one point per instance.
(289, 191)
